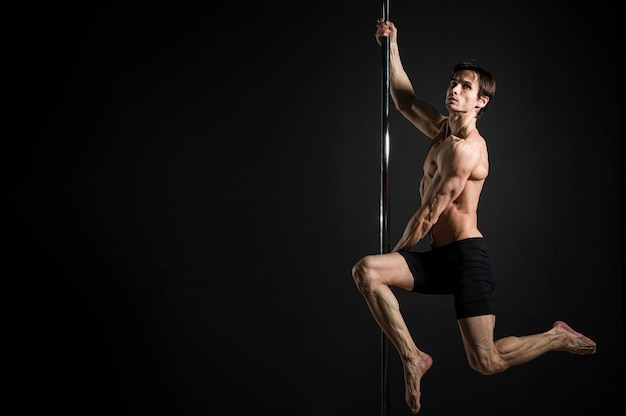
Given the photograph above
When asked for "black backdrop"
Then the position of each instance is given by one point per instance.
(194, 184)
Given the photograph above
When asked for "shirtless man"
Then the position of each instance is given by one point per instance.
(458, 263)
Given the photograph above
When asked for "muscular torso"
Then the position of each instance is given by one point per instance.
(459, 220)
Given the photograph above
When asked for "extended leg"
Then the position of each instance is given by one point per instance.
(489, 357)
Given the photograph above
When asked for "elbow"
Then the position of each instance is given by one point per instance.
(423, 225)
(437, 208)
(429, 222)
(403, 100)
(402, 107)
(426, 226)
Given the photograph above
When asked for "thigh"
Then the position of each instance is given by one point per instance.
(430, 270)
(477, 333)
(473, 279)
(390, 269)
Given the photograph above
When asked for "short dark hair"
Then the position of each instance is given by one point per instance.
(486, 81)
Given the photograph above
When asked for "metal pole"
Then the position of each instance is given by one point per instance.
(384, 198)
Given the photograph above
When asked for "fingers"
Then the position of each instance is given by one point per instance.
(380, 23)
(383, 28)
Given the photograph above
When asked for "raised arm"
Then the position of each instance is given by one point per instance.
(444, 188)
(421, 114)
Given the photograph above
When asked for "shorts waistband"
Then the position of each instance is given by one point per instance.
(464, 241)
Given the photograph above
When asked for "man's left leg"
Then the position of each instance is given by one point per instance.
(489, 357)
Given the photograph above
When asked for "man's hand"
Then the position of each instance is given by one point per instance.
(385, 29)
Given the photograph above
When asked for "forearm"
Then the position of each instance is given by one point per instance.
(421, 114)
(415, 230)
(400, 86)
(422, 221)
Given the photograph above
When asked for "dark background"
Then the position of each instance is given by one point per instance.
(195, 182)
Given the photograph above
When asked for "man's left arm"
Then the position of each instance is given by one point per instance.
(455, 166)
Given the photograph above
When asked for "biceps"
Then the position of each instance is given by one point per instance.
(452, 186)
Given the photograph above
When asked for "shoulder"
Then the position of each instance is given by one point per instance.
(466, 154)
(473, 145)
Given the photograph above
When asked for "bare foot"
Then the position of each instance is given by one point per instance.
(574, 342)
(413, 373)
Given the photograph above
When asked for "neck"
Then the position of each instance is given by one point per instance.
(461, 125)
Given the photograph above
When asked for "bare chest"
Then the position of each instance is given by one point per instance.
(439, 145)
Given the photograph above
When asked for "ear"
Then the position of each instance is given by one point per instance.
(482, 101)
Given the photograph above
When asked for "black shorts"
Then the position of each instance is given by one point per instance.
(463, 269)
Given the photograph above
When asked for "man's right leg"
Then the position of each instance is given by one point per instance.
(374, 276)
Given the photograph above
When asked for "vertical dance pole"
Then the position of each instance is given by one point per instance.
(384, 198)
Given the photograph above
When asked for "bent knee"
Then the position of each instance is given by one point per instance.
(487, 365)
(363, 274)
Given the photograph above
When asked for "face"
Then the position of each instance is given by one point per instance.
(462, 93)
